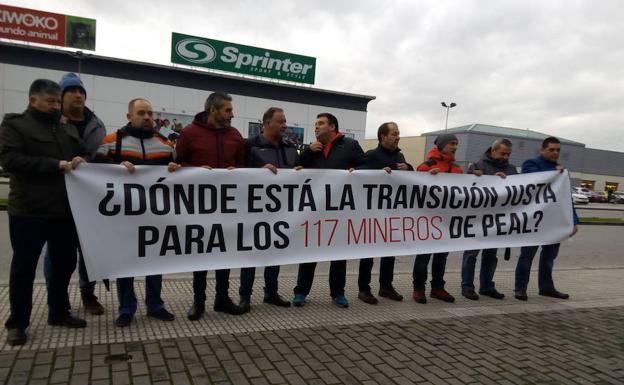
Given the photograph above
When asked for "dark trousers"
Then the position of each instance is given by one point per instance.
(28, 235)
(438, 266)
(222, 278)
(486, 274)
(386, 273)
(337, 278)
(546, 262)
(87, 287)
(248, 276)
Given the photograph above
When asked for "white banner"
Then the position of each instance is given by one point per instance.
(153, 221)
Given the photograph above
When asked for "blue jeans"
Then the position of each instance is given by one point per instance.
(438, 266)
(127, 297)
(488, 267)
(86, 287)
(248, 276)
(546, 262)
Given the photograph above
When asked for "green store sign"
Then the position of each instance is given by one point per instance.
(244, 59)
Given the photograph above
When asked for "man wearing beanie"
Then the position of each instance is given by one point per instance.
(92, 131)
(441, 158)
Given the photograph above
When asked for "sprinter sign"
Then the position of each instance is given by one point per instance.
(238, 58)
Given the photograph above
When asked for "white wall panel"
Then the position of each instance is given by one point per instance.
(108, 97)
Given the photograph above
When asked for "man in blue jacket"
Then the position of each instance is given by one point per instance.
(547, 161)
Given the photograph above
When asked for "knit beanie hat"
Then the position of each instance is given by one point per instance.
(444, 139)
(70, 79)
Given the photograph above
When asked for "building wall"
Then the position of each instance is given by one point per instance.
(473, 145)
(599, 181)
(108, 98)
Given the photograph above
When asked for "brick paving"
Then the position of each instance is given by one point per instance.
(542, 341)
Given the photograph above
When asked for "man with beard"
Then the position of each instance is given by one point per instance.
(441, 158)
(495, 161)
(546, 161)
(37, 149)
(386, 156)
(138, 144)
(211, 142)
(92, 131)
(332, 150)
(272, 151)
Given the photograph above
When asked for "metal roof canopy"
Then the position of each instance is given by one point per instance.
(71, 61)
(505, 132)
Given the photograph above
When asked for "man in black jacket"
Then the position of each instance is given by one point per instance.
(386, 156)
(36, 148)
(268, 150)
(332, 150)
(495, 161)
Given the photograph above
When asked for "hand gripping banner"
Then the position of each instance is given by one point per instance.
(156, 222)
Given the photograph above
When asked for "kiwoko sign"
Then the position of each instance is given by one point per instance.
(230, 57)
(46, 28)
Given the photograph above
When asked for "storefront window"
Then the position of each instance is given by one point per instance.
(611, 186)
(588, 184)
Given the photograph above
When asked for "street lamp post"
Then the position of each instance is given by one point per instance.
(448, 107)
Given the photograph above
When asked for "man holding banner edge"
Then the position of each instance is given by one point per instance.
(546, 161)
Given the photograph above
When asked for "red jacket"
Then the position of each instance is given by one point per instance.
(437, 159)
(201, 144)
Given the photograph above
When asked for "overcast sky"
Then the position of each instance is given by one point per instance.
(552, 66)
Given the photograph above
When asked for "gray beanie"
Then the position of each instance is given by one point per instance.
(444, 139)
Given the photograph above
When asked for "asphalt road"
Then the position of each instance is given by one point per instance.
(593, 246)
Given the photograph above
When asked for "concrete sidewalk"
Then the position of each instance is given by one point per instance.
(544, 340)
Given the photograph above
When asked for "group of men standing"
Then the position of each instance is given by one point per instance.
(57, 132)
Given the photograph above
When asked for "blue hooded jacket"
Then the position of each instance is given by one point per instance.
(542, 164)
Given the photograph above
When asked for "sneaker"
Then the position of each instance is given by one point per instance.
(245, 303)
(196, 311)
(420, 296)
(92, 305)
(521, 295)
(442, 294)
(298, 300)
(341, 301)
(492, 293)
(391, 294)
(16, 337)
(470, 294)
(554, 293)
(124, 320)
(161, 314)
(68, 321)
(227, 306)
(368, 297)
(276, 299)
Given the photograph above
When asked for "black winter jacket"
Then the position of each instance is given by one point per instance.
(31, 145)
(344, 154)
(381, 157)
(260, 152)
